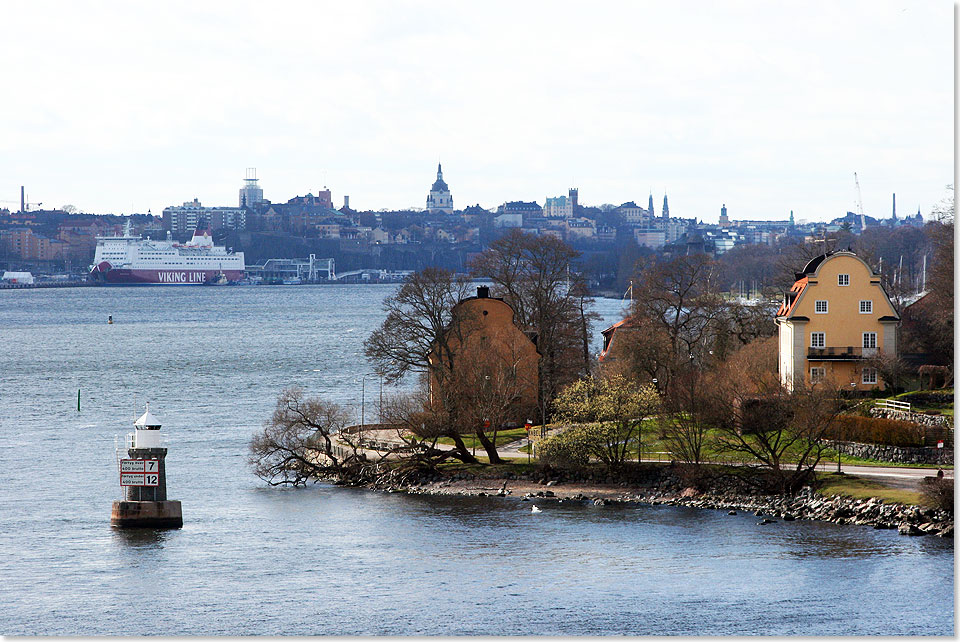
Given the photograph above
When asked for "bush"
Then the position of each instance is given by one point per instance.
(938, 493)
(873, 430)
(567, 450)
(929, 398)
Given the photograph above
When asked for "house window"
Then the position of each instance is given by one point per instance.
(869, 339)
(817, 374)
(843, 279)
(869, 375)
(820, 307)
(818, 339)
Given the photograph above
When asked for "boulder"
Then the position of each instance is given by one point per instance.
(906, 528)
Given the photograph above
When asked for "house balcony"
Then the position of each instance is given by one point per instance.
(840, 353)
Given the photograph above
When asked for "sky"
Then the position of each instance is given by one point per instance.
(767, 107)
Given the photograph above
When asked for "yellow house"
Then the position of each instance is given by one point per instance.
(834, 319)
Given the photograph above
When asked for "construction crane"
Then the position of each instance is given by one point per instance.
(863, 221)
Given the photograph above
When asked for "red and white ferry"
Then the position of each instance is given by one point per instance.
(130, 260)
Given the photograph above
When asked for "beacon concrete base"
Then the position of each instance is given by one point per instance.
(164, 514)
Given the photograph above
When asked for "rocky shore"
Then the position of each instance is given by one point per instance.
(669, 490)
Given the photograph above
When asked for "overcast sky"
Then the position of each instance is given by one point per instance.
(119, 107)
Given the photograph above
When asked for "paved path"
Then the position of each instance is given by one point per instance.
(906, 478)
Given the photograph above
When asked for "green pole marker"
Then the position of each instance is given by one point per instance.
(78, 399)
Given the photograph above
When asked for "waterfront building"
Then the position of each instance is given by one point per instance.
(580, 228)
(528, 210)
(508, 219)
(322, 201)
(672, 228)
(26, 244)
(834, 320)
(186, 218)
(251, 193)
(650, 237)
(632, 214)
(606, 233)
(724, 219)
(558, 207)
(503, 359)
(617, 341)
(440, 198)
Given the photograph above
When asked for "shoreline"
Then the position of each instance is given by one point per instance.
(807, 504)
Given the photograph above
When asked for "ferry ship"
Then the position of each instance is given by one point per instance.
(131, 260)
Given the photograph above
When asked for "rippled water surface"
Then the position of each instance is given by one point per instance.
(257, 560)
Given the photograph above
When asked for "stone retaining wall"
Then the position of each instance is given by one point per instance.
(934, 421)
(898, 454)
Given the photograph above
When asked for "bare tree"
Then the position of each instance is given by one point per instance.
(687, 417)
(493, 390)
(534, 276)
(785, 432)
(422, 333)
(679, 297)
(297, 444)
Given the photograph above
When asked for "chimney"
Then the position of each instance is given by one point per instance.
(22, 201)
(483, 292)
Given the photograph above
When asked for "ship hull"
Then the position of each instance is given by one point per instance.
(122, 276)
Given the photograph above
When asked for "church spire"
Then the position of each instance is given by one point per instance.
(650, 206)
(439, 172)
(666, 208)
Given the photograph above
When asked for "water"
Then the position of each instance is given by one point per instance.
(255, 560)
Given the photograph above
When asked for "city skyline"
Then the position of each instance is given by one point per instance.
(763, 108)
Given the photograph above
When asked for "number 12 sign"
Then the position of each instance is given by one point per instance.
(139, 472)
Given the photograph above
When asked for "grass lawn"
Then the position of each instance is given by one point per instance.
(860, 488)
(504, 437)
(945, 408)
